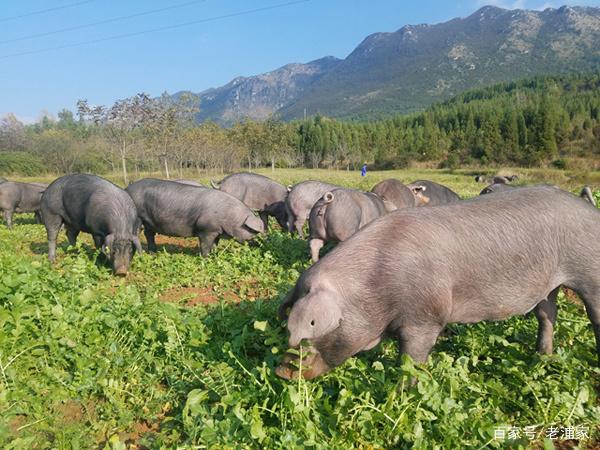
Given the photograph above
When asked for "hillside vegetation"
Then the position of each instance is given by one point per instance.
(544, 121)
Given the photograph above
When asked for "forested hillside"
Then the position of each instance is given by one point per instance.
(553, 120)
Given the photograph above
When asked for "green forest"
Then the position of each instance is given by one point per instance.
(544, 121)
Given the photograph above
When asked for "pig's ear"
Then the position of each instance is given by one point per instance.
(289, 187)
(289, 300)
(418, 189)
(108, 242)
(254, 223)
(137, 244)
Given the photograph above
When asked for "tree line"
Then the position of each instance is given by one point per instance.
(549, 120)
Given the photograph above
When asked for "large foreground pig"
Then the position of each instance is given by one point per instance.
(339, 214)
(429, 193)
(176, 209)
(258, 193)
(93, 205)
(16, 197)
(413, 271)
(395, 194)
(300, 201)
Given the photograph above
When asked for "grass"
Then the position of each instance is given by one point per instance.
(181, 354)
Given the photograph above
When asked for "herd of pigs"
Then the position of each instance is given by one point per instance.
(411, 259)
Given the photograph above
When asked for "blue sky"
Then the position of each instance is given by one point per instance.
(195, 57)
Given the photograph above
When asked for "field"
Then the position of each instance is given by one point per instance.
(181, 354)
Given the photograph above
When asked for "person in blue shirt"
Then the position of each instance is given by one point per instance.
(363, 171)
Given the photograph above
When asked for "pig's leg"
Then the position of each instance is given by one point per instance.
(38, 216)
(53, 224)
(8, 218)
(545, 312)
(591, 300)
(299, 226)
(417, 341)
(315, 246)
(149, 233)
(265, 219)
(207, 240)
(72, 235)
(290, 220)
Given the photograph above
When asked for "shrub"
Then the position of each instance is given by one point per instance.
(20, 163)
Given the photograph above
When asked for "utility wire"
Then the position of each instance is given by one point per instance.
(44, 11)
(100, 22)
(153, 30)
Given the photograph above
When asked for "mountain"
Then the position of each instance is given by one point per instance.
(417, 65)
(260, 96)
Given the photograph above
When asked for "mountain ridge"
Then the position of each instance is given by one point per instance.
(410, 68)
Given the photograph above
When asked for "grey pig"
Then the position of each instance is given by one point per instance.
(176, 209)
(496, 187)
(301, 199)
(93, 205)
(16, 197)
(429, 193)
(191, 183)
(259, 193)
(395, 194)
(339, 214)
(378, 283)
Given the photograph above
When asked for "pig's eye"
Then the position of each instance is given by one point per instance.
(312, 323)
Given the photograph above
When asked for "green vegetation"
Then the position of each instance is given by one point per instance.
(182, 351)
(551, 121)
(20, 163)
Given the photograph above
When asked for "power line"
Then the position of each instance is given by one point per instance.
(100, 22)
(44, 11)
(153, 30)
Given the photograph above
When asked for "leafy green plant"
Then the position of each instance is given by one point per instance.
(182, 353)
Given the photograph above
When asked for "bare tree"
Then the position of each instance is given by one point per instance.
(170, 118)
(121, 123)
(12, 133)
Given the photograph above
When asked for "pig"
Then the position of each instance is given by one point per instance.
(496, 179)
(586, 194)
(91, 204)
(176, 209)
(301, 199)
(259, 193)
(429, 193)
(395, 194)
(496, 187)
(2, 179)
(339, 214)
(191, 183)
(411, 272)
(16, 197)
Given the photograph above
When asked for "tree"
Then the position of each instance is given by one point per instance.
(120, 123)
(12, 133)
